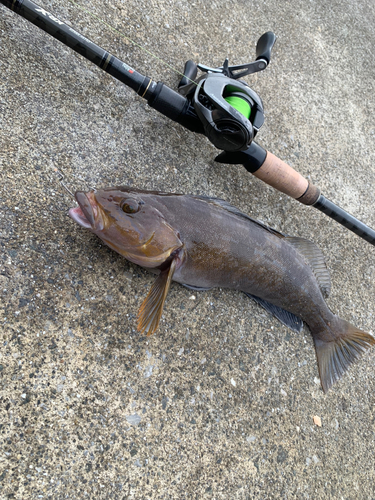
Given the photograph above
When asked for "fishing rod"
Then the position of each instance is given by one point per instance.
(217, 104)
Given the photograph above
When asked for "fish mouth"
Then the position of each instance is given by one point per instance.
(86, 214)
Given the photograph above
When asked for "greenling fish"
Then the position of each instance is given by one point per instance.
(204, 242)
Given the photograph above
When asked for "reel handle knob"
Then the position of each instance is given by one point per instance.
(264, 46)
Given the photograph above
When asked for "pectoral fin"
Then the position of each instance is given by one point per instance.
(152, 307)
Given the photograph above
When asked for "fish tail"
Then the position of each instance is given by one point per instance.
(336, 352)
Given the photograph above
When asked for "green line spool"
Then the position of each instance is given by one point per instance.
(240, 105)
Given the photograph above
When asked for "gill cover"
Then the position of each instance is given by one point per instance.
(133, 227)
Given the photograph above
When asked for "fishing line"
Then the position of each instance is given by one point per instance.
(115, 30)
(62, 177)
(62, 182)
(239, 104)
(57, 171)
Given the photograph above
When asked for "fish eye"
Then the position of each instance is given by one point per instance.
(130, 206)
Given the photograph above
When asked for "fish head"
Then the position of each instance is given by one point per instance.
(128, 221)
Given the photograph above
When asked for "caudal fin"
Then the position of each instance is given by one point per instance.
(337, 352)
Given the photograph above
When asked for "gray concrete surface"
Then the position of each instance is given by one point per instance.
(219, 404)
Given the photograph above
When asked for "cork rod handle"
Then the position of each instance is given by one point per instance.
(281, 176)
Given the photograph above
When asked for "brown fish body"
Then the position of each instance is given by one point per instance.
(223, 249)
(205, 243)
(229, 251)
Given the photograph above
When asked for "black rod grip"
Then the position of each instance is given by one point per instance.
(190, 73)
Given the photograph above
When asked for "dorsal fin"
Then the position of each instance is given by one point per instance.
(233, 210)
(315, 258)
(312, 254)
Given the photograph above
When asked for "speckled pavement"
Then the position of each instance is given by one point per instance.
(220, 403)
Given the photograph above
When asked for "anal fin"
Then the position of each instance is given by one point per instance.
(152, 307)
(196, 288)
(287, 318)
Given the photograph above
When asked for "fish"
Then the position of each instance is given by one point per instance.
(204, 242)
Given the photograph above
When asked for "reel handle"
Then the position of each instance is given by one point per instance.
(264, 46)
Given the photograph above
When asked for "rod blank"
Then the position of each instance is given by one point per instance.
(79, 43)
(345, 219)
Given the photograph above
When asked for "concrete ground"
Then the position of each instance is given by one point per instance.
(220, 403)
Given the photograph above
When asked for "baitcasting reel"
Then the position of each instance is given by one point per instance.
(230, 111)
